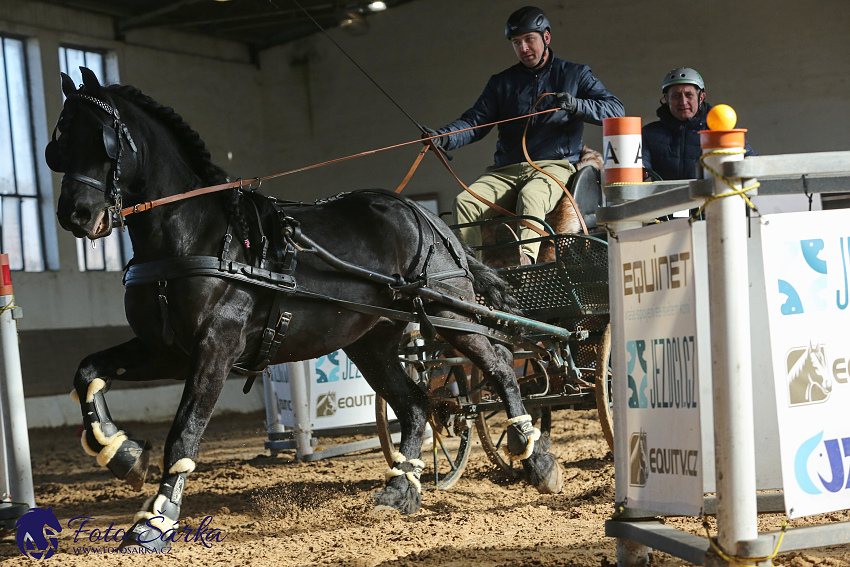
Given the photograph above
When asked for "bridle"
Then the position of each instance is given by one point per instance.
(116, 138)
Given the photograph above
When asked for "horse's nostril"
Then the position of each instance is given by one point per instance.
(81, 216)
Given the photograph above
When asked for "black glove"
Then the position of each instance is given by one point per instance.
(441, 142)
(567, 102)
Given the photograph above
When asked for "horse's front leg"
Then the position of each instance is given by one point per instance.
(210, 364)
(126, 458)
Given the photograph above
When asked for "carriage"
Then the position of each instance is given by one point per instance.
(224, 278)
(566, 369)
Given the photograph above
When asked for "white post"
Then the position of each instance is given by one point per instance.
(726, 229)
(273, 424)
(15, 434)
(299, 376)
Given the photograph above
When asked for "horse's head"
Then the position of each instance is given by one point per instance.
(97, 154)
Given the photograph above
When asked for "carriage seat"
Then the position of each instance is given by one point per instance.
(586, 188)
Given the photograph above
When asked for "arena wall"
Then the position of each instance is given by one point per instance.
(782, 65)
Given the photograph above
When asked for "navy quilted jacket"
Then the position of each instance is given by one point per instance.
(552, 136)
(671, 148)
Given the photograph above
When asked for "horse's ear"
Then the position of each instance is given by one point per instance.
(90, 80)
(68, 85)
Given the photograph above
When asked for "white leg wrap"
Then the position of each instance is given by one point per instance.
(156, 518)
(414, 480)
(412, 476)
(96, 386)
(75, 396)
(110, 444)
(185, 465)
(517, 419)
(392, 473)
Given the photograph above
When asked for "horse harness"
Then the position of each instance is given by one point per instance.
(283, 282)
(116, 139)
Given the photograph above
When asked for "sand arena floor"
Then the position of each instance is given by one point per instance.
(279, 512)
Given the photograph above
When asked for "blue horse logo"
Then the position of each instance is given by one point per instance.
(37, 534)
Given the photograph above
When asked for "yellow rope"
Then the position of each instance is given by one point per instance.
(735, 191)
(744, 560)
(8, 307)
(629, 183)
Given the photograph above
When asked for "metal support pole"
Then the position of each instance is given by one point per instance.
(298, 378)
(16, 437)
(726, 230)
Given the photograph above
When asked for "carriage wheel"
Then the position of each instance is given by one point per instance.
(490, 428)
(604, 385)
(450, 431)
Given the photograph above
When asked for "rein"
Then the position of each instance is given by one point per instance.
(241, 184)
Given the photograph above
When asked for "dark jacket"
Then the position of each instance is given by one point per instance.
(671, 148)
(552, 136)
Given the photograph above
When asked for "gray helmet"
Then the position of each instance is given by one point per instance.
(527, 19)
(683, 76)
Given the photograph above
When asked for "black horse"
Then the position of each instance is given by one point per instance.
(233, 279)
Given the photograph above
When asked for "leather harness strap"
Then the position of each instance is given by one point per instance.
(413, 167)
(185, 266)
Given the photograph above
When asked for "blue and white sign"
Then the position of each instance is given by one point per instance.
(807, 277)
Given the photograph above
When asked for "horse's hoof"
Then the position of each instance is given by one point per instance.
(406, 500)
(554, 481)
(147, 537)
(130, 463)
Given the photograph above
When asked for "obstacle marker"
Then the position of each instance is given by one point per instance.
(16, 490)
(622, 150)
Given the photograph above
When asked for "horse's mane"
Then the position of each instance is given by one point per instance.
(196, 150)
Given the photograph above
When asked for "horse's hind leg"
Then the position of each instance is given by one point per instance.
(126, 458)
(524, 442)
(376, 356)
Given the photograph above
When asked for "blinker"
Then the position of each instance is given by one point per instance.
(110, 141)
(53, 157)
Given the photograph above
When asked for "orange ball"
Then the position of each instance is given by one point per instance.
(721, 117)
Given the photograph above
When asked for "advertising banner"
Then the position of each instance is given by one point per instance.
(339, 395)
(806, 260)
(657, 291)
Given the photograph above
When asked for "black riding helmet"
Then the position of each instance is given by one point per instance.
(527, 19)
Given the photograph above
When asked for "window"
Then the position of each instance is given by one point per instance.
(112, 252)
(21, 228)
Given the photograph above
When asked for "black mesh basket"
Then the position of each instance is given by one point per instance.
(575, 284)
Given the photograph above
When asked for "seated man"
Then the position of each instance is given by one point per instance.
(554, 140)
(671, 145)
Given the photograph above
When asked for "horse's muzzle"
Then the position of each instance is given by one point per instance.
(81, 221)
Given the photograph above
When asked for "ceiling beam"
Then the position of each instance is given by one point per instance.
(141, 20)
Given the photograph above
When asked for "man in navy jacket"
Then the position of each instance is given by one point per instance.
(671, 145)
(554, 140)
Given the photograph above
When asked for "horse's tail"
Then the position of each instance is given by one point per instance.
(487, 283)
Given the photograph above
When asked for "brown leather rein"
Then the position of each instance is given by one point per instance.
(242, 184)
